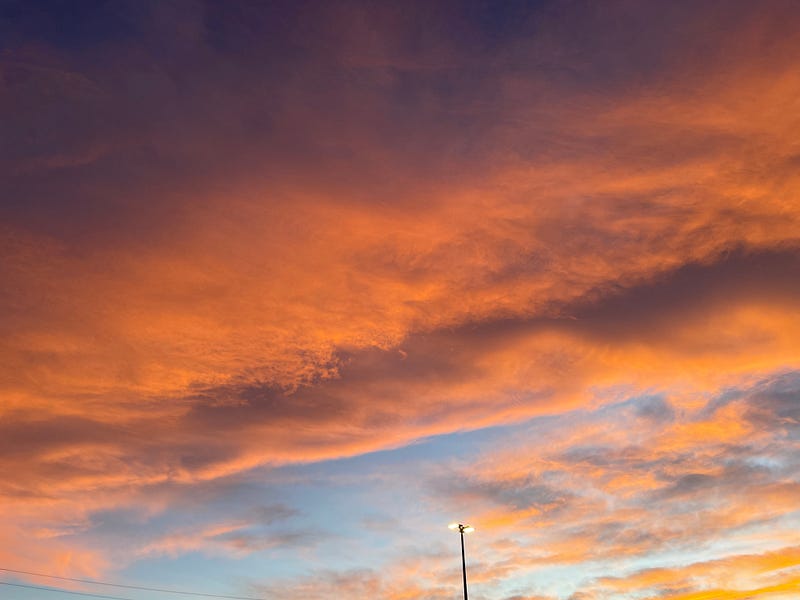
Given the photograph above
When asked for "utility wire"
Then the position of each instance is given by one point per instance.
(122, 585)
(59, 591)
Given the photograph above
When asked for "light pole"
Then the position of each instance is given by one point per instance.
(462, 529)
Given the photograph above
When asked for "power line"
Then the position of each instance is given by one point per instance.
(122, 585)
(59, 591)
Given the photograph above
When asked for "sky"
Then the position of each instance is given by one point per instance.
(287, 287)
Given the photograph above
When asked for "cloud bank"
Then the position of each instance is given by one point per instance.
(237, 238)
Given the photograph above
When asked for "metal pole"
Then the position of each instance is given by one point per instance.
(463, 563)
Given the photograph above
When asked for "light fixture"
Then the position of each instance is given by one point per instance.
(462, 529)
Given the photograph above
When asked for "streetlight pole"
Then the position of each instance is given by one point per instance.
(462, 529)
(463, 562)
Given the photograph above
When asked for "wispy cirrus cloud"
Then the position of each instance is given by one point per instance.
(604, 489)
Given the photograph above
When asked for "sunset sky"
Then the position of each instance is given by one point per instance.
(287, 287)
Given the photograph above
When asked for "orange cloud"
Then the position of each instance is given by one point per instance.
(186, 299)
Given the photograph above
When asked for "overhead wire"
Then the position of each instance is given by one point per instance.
(60, 591)
(120, 585)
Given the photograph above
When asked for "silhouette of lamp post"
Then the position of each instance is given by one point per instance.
(462, 529)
